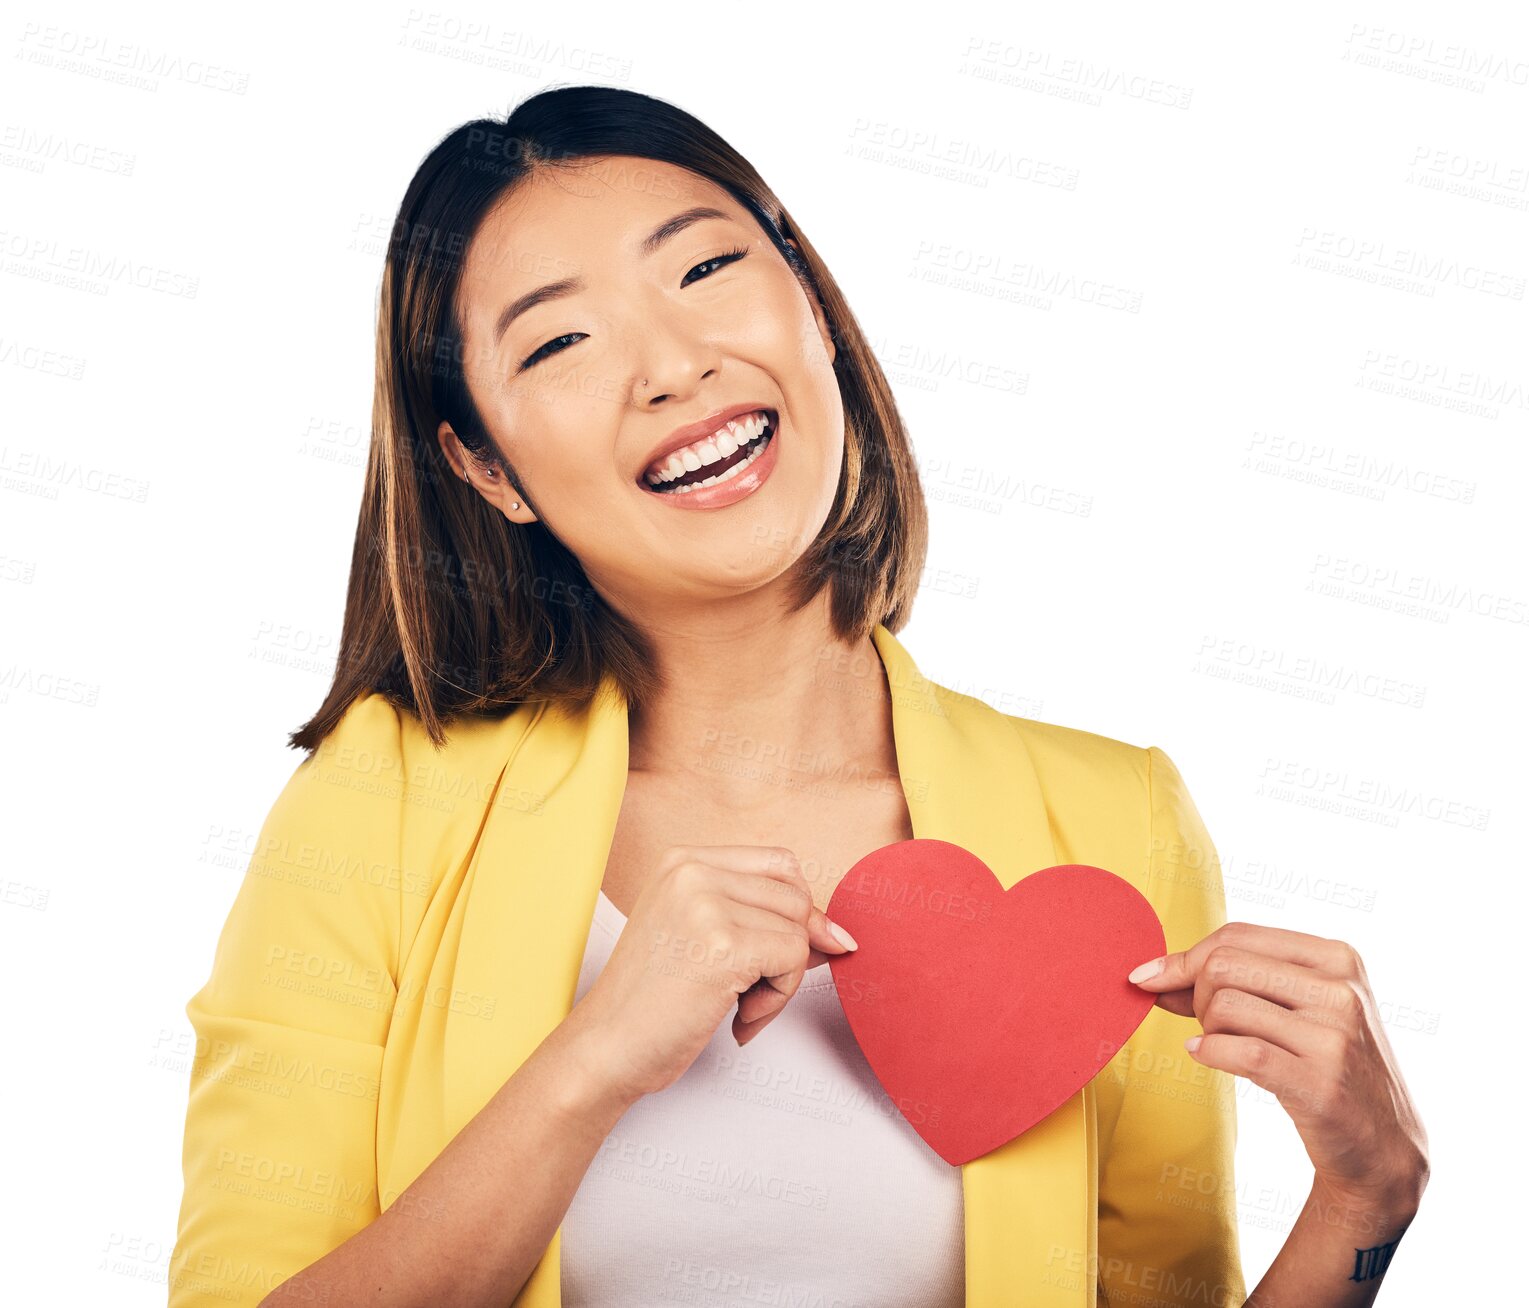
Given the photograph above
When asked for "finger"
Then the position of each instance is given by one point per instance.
(787, 897)
(1277, 1070)
(1236, 1012)
(787, 894)
(767, 859)
(1283, 982)
(1179, 969)
(744, 1031)
(768, 992)
(759, 1001)
(1168, 974)
(758, 1004)
(1275, 979)
(768, 957)
(779, 979)
(762, 998)
(1181, 1002)
(749, 921)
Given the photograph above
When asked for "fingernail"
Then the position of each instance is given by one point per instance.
(1193, 1043)
(841, 935)
(1146, 971)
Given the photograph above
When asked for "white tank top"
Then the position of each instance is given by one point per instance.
(775, 1174)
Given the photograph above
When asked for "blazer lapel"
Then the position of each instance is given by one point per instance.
(969, 779)
(536, 875)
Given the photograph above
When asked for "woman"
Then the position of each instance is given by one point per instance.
(640, 518)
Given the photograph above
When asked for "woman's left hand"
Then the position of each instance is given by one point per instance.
(1294, 1014)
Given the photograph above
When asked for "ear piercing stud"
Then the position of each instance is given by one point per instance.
(490, 472)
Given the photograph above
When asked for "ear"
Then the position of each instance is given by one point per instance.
(495, 487)
(817, 313)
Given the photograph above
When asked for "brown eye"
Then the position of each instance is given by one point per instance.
(556, 345)
(722, 259)
(547, 349)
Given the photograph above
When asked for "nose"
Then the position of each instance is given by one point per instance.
(673, 361)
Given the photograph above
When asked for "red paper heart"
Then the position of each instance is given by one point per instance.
(982, 1011)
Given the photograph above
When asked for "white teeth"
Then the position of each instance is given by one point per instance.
(720, 477)
(722, 443)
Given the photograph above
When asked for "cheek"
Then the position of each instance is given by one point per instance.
(773, 325)
(786, 340)
(542, 443)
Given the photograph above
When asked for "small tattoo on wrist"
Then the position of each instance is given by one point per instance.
(1372, 1262)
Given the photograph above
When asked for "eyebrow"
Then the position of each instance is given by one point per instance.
(569, 285)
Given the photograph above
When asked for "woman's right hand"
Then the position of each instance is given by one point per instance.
(713, 923)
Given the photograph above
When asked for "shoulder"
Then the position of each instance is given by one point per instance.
(1141, 779)
(1062, 756)
(1087, 773)
(377, 740)
(1126, 807)
(357, 770)
(384, 813)
(369, 735)
(1059, 747)
(380, 769)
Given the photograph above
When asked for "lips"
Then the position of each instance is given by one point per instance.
(692, 432)
(751, 467)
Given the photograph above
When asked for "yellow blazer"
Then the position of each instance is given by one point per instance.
(411, 925)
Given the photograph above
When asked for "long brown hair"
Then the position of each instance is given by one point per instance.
(453, 609)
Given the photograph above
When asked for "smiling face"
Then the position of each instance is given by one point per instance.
(667, 318)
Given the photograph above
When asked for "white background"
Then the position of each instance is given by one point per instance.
(1268, 515)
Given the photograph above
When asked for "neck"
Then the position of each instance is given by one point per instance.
(751, 697)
